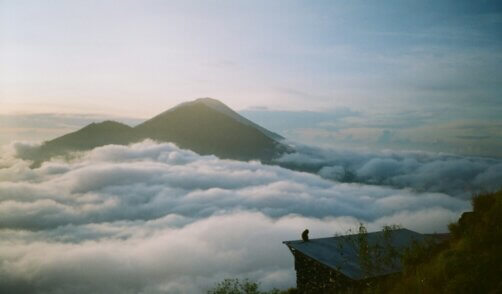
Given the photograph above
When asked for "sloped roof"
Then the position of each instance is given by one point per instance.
(341, 253)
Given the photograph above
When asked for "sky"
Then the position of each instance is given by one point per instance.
(404, 75)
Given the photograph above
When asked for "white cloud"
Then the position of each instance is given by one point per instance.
(153, 218)
(458, 176)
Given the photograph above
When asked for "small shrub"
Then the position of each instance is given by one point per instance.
(236, 286)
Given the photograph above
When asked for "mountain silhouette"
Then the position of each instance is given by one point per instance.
(205, 126)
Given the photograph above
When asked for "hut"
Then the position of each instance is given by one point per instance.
(328, 265)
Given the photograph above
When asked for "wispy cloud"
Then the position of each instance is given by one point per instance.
(426, 129)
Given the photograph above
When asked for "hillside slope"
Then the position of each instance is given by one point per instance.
(470, 261)
(207, 131)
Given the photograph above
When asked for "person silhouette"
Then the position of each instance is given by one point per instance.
(305, 235)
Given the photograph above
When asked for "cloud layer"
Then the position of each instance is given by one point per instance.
(458, 176)
(152, 218)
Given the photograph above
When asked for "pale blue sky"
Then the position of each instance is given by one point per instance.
(441, 60)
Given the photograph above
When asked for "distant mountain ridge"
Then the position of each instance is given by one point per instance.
(205, 125)
(222, 108)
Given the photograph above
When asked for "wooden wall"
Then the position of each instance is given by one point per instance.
(314, 277)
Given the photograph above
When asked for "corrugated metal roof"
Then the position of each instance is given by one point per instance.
(341, 253)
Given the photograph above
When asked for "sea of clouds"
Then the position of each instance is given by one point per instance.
(152, 218)
(458, 176)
